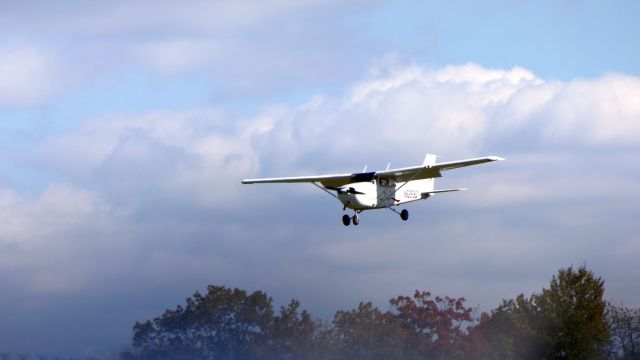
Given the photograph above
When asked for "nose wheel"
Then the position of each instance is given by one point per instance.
(347, 220)
(404, 214)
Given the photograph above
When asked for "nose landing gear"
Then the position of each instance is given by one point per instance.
(404, 214)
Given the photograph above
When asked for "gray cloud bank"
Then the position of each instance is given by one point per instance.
(49, 49)
(148, 207)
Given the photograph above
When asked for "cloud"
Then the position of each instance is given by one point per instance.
(150, 204)
(28, 74)
(548, 130)
(177, 55)
(122, 17)
(159, 152)
(247, 47)
(600, 111)
(39, 235)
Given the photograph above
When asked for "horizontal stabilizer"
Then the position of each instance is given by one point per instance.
(429, 193)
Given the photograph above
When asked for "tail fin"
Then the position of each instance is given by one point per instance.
(429, 159)
(426, 185)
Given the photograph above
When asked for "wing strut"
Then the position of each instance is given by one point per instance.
(325, 190)
(392, 209)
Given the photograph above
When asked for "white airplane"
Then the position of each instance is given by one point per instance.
(381, 189)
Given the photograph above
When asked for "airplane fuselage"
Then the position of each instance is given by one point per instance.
(379, 193)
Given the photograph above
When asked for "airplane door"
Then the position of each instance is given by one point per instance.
(386, 189)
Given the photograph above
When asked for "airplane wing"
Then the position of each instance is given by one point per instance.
(399, 175)
(335, 180)
(431, 171)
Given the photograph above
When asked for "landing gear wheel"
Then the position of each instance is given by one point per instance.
(346, 220)
(404, 215)
(356, 219)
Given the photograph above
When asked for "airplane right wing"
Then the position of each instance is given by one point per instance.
(335, 180)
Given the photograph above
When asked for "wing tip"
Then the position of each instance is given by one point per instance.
(495, 158)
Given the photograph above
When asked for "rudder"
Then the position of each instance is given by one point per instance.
(427, 185)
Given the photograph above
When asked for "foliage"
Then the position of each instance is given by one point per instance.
(566, 321)
(510, 332)
(231, 324)
(224, 324)
(367, 333)
(433, 326)
(573, 315)
(624, 325)
(416, 327)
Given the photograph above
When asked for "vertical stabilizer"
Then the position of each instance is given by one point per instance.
(429, 159)
(426, 185)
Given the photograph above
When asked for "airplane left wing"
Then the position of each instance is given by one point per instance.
(431, 171)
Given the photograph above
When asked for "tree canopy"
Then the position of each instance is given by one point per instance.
(567, 320)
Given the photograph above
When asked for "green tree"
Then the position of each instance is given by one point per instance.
(511, 332)
(227, 324)
(367, 333)
(573, 315)
(222, 324)
(292, 335)
(566, 321)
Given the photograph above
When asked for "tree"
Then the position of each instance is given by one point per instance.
(367, 333)
(566, 321)
(223, 324)
(226, 324)
(573, 315)
(291, 335)
(511, 331)
(433, 327)
(625, 332)
(416, 327)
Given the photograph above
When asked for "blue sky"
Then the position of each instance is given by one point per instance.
(125, 129)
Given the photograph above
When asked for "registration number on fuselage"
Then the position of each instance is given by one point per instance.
(411, 194)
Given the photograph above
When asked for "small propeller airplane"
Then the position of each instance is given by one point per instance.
(381, 189)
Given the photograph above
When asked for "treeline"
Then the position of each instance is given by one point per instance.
(9, 356)
(568, 320)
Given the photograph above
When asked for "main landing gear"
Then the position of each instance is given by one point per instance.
(355, 219)
(346, 219)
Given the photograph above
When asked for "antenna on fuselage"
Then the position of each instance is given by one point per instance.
(388, 165)
(365, 169)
